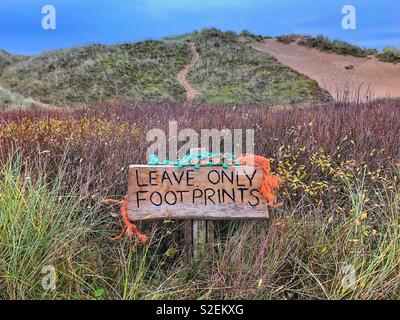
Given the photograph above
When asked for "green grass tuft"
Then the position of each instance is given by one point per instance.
(389, 55)
(323, 43)
(336, 46)
(40, 225)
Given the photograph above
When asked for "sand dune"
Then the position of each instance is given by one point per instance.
(368, 78)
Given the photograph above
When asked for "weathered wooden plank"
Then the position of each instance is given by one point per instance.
(209, 193)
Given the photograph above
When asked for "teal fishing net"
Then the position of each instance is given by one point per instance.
(193, 160)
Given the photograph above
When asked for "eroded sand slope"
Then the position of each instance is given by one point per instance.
(368, 78)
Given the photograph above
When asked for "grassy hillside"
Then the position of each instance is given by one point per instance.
(7, 59)
(143, 71)
(9, 99)
(229, 71)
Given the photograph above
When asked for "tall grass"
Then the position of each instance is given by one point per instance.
(40, 225)
(339, 222)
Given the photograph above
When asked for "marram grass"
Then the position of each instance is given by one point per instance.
(337, 235)
(298, 254)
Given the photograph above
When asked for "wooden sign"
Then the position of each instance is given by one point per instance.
(209, 193)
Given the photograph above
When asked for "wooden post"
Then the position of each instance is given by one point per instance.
(199, 238)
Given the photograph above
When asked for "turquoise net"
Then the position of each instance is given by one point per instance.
(193, 159)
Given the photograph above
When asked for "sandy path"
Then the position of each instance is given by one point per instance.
(191, 93)
(369, 77)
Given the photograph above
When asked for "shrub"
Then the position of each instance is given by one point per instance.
(249, 37)
(389, 55)
(287, 39)
(322, 43)
(338, 47)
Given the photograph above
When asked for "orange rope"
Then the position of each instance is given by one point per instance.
(129, 228)
(270, 183)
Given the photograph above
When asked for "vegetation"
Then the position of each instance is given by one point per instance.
(9, 99)
(7, 59)
(340, 169)
(324, 44)
(289, 38)
(146, 72)
(143, 71)
(341, 205)
(336, 46)
(389, 55)
(231, 72)
(249, 37)
(41, 225)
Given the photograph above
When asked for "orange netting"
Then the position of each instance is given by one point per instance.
(129, 227)
(269, 185)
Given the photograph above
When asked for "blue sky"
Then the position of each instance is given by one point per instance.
(114, 21)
